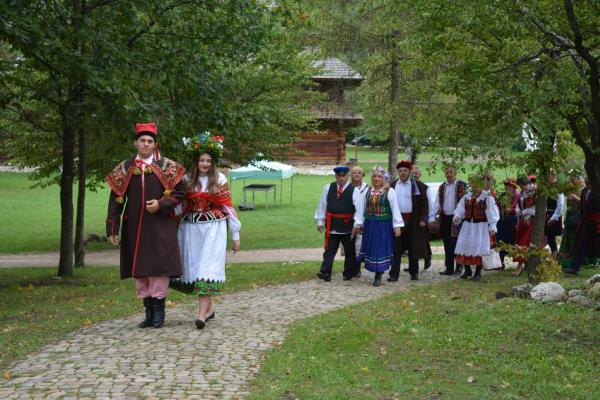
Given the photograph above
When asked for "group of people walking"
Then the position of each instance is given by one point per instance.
(378, 224)
(173, 222)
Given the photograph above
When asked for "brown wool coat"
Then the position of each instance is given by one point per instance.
(419, 236)
(149, 245)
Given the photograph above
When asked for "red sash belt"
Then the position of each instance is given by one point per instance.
(328, 217)
(406, 217)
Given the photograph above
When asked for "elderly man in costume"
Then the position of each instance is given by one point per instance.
(449, 194)
(414, 206)
(145, 190)
(340, 215)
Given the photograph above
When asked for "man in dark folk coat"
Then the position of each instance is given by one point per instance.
(414, 206)
(147, 188)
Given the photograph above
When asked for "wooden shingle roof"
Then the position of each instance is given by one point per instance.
(334, 69)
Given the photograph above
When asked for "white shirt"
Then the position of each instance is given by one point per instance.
(146, 161)
(404, 195)
(449, 198)
(433, 208)
(357, 200)
(559, 207)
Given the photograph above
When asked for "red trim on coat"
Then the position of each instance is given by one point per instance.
(139, 229)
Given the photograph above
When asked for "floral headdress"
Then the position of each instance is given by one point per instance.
(202, 143)
(378, 169)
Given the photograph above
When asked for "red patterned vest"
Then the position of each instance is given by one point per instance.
(475, 209)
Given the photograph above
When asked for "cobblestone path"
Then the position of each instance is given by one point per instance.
(117, 360)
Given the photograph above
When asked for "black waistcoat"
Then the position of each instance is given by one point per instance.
(342, 205)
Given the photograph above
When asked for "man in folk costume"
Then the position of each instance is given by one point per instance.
(554, 212)
(357, 176)
(431, 198)
(340, 215)
(414, 206)
(147, 188)
(449, 194)
(479, 214)
(587, 236)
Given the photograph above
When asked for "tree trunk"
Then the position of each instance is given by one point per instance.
(79, 224)
(65, 264)
(592, 169)
(394, 130)
(537, 237)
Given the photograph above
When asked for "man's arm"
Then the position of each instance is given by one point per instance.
(113, 219)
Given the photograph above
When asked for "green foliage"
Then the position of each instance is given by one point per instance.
(548, 270)
(191, 66)
(449, 341)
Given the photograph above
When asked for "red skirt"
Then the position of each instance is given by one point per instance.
(468, 260)
(523, 237)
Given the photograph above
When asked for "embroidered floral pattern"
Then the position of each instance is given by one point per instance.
(168, 172)
(118, 179)
(199, 287)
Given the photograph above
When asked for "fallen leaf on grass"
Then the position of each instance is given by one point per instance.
(7, 375)
(87, 322)
(365, 369)
(470, 379)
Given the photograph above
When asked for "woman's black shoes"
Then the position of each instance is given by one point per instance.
(377, 280)
(200, 324)
(211, 316)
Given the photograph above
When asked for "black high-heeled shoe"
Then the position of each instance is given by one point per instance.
(211, 316)
(200, 324)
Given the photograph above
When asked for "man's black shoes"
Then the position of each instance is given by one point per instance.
(325, 277)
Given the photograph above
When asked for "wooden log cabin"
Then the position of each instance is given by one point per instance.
(328, 145)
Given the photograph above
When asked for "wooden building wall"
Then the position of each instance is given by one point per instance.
(326, 147)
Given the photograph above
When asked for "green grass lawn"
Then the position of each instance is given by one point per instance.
(447, 341)
(30, 220)
(37, 308)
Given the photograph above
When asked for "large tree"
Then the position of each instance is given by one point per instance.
(375, 38)
(515, 67)
(77, 74)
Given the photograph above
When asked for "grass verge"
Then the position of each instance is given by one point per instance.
(448, 341)
(37, 308)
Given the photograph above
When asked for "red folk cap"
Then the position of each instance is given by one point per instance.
(148, 128)
(404, 164)
(532, 178)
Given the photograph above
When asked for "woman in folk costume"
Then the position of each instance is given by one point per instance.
(206, 212)
(145, 189)
(383, 221)
(507, 204)
(357, 176)
(587, 239)
(525, 212)
(479, 215)
(572, 219)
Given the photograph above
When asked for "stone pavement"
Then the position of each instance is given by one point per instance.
(111, 257)
(117, 360)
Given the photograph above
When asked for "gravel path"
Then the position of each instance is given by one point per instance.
(111, 257)
(117, 360)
